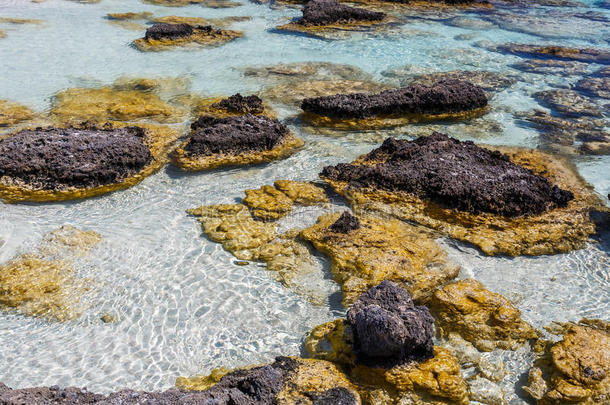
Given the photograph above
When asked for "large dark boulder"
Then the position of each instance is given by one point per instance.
(168, 31)
(240, 104)
(58, 158)
(323, 12)
(454, 174)
(244, 133)
(389, 329)
(445, 96)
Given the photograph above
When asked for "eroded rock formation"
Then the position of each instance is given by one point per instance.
(235, 140)
(324, 12)
(162, 36)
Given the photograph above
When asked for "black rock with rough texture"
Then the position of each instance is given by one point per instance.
(240, 104)
(57, 158)
(323, 12)
(389, 329)
(345, 224)
(446, 96)
(244, 133)
(454, 174)
(333, 396)
(259, 385)
(168, 31)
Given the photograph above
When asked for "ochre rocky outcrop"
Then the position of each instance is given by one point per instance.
(235, 140)
(445, 99)
(486, 319)
(545, 206)
(163, 36)
(575, 370)
(381, 249)
(53, 164)
(12, 113)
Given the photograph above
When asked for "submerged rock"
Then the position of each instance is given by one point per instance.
(551, 66)
(455, 174)
(144, 15)
(537, 204)
(558, 52)
(389, 329)
(596, 86)
(12, 113)
(109, 103)
(575, 370)
(489, 81)
(451, 96)
(39, 284)
(235, 140)
(162, 36)
(486, 319)
(381, 249)
(222, 22)
(302, 71)
(568, 102)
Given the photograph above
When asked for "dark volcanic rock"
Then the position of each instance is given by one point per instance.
(245, 133)
(346, 223)
(454, 174)
(56, 158)
(322, 12)
(333, 396)
(168, 31)
(389, 329)
(259, 385)
(240, 104)
(445, 96)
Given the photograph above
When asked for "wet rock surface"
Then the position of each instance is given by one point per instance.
(486, 319)
(575, 370)
(488, 81)
(12, 113)
(427, 167)
(378, 250)
(168, 31)
(346, 223)
(558, 52)
(240, 104)
(450, 96)
(551, 66)
(595, 86)
(322, 12)
(58, 158)
(234, 135)
(389, 329)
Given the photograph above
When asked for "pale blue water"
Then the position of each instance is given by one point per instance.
(183, 306)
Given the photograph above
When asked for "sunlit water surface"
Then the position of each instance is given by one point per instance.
(183, 305)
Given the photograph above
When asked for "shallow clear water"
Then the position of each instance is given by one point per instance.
(183, 306)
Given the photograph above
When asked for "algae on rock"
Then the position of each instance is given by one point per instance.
(381, 249)
(43, 285)
(486, 319)
(575, 370)
(12, 113)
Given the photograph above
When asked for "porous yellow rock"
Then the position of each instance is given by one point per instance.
(283, 149)
(338, 30)
(302, 193)
(201, 382)
(268, 202)
(216, 22)
(554, 231)
(381, 249)
(486, 319)
(575, 370)
(200, 37)
(144, 15)
(103, 104)
(293, 93)
(39, 284)
(159, 140)
(20, 21)
(12, 113)
(434, 381)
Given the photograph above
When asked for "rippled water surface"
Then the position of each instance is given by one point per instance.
(183, 305)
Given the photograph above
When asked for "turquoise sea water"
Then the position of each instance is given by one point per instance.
(183, 306)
